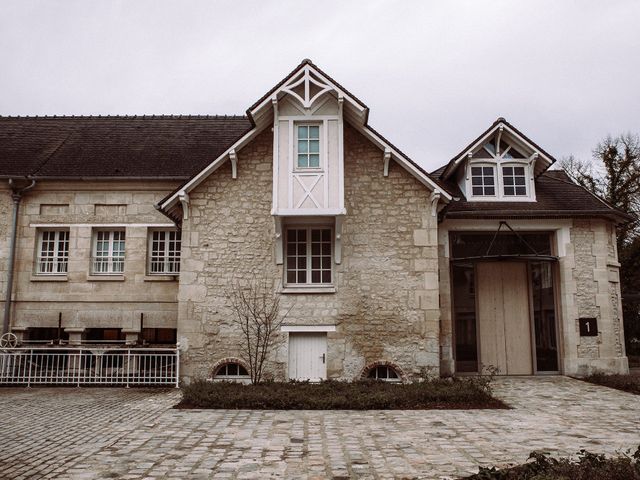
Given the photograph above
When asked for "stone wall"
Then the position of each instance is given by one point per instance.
(588, 285)
(83, 299)
(385, 307)
(594, 284)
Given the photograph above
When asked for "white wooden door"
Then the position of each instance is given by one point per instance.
(503, 315)
(308, 356)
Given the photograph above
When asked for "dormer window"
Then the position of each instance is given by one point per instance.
(483, 181)
(308, 152)
(514, 181)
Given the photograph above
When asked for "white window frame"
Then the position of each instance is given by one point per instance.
(115, 263)
(231, 378)
(513, 164)
(308, 255)
(58, 262)
(168, 259)
(296, 125)
(398, 378)
(495, 179)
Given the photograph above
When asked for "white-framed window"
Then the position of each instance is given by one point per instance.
(53, 252)
(483, 181)
(307, 146)
(309, 253)
(514, 181)
(108, 252)
(164, 252)
(384, 373)
(231, 372)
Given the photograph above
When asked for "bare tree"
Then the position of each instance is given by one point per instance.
(256, 307)
(614, 175)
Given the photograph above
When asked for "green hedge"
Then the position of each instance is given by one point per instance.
(334, 395)
(627, 383)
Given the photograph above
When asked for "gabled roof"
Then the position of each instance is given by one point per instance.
(261, 116)
(140, 147)
(541, 166)
(557, 196)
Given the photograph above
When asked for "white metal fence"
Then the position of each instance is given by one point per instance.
(77, 367)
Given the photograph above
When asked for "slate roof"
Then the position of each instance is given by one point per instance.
(556, 196)
(171, 147)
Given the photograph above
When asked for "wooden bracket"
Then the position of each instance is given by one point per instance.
(234, 163)
(279, 254)
(183, 198)
(387, 158)
(434, 198)
(338, 241)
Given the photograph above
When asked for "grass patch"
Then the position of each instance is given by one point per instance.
(587, 466)
(627, 383)
(336, 395)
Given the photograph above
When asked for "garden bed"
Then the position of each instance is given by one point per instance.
(467, 393)
(627, 383)
(587, 466)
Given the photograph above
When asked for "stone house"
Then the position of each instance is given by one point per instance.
(133, 229)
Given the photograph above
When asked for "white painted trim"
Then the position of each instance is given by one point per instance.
(340, 152)
(105, 225)
(422, 177)
(204, 173)
(308, 328)
(491, 132)
(308, 118)
(276, 152)
(298, 212)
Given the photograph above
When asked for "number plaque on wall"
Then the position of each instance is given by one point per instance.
(588, 327)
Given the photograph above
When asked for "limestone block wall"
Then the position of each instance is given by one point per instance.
(83, 299)
(385, 307)
(591, 288)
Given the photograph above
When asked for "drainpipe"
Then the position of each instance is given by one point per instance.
(16, 196)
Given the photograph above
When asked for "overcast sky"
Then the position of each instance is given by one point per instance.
(434, 74)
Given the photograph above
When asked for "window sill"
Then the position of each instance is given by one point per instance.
(306, 289)
(49, 278)
(105, 278)
(160, 278)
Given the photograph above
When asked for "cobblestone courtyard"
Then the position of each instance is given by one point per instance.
(127, 434)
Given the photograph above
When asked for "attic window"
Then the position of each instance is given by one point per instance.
(515, 181)
(483, 181)
(308, 146)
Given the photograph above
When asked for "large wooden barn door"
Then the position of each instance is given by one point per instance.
(504, 318)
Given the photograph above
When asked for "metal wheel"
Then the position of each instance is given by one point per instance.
(8, 340)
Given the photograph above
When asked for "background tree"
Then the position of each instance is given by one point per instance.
(614, 175)
(256, 307)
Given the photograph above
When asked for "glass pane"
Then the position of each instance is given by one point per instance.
(326, 263)
(314, 160)
(303, 160)
(315, 263)
(477, 190)
(520, 180)
(302, 146)
(392, 373)
(519, 170)
(315, 249)
(508, 180)
(302, 263)
(291, 276)
(487, 171)
(326, 276)
(488, 180)
(508, 191)
(490, 147)
(315, 277)
(326, 235)
(476, 170)
(544, 315)
(314, 131)
(477, 244)
(507, 170)
(489, 191)
(476, 180)
(521, 191)
(302, 277)
(466, 348)
(315, 235)
(302, 132)
(326, 249)
(314, 146)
